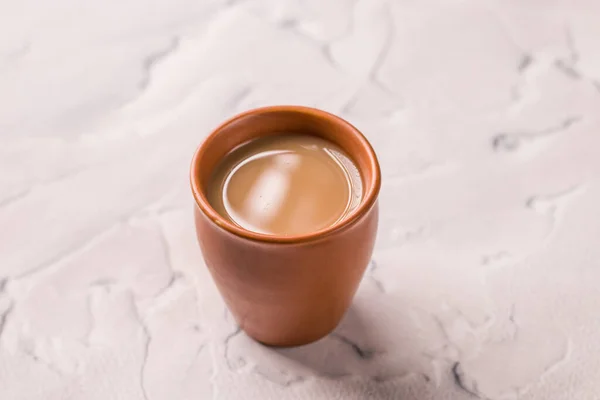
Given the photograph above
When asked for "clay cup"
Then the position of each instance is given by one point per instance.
(286, 290)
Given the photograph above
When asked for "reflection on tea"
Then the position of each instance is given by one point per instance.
(289, 184)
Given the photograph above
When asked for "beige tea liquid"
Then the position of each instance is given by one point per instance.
(289, 184)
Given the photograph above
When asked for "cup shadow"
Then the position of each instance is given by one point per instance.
(377, 347)
(347, 350)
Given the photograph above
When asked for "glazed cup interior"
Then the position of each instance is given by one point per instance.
(277, 120)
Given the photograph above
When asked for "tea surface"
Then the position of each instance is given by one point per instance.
(285, 185)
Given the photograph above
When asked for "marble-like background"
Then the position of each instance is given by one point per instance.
(485, 281)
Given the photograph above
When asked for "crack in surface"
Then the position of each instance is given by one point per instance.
(4, 316)
(92, 325)
(568, 66)
(396, 377)
(495, 257)
(546, 204)
(282, 383)
(371, 269)
(511, 315)
(144, 362)
(378, 284)
(385, 50)
(31, 354)
(175, 275)
(150, 61)
(382, 55)
(460, 381)
(523, 66)
(166, 248)
(103, 282)
(560, 361)
(146, 350)
(568, 70)
(550, 205)
(512, 141)
(226, 343)
(570, 40)
(14, 198)
(362, 353)
(448, 343)
(323, 47)
(525, 62)
(201, 347)
(16, 54)
(345, 109)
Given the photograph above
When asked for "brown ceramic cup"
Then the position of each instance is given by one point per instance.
(286, 290)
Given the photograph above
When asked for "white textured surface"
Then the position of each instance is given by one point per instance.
(486, 119)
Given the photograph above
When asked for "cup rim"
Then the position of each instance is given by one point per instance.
(369, 198)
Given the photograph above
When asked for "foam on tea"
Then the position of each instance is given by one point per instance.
(285, 185)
